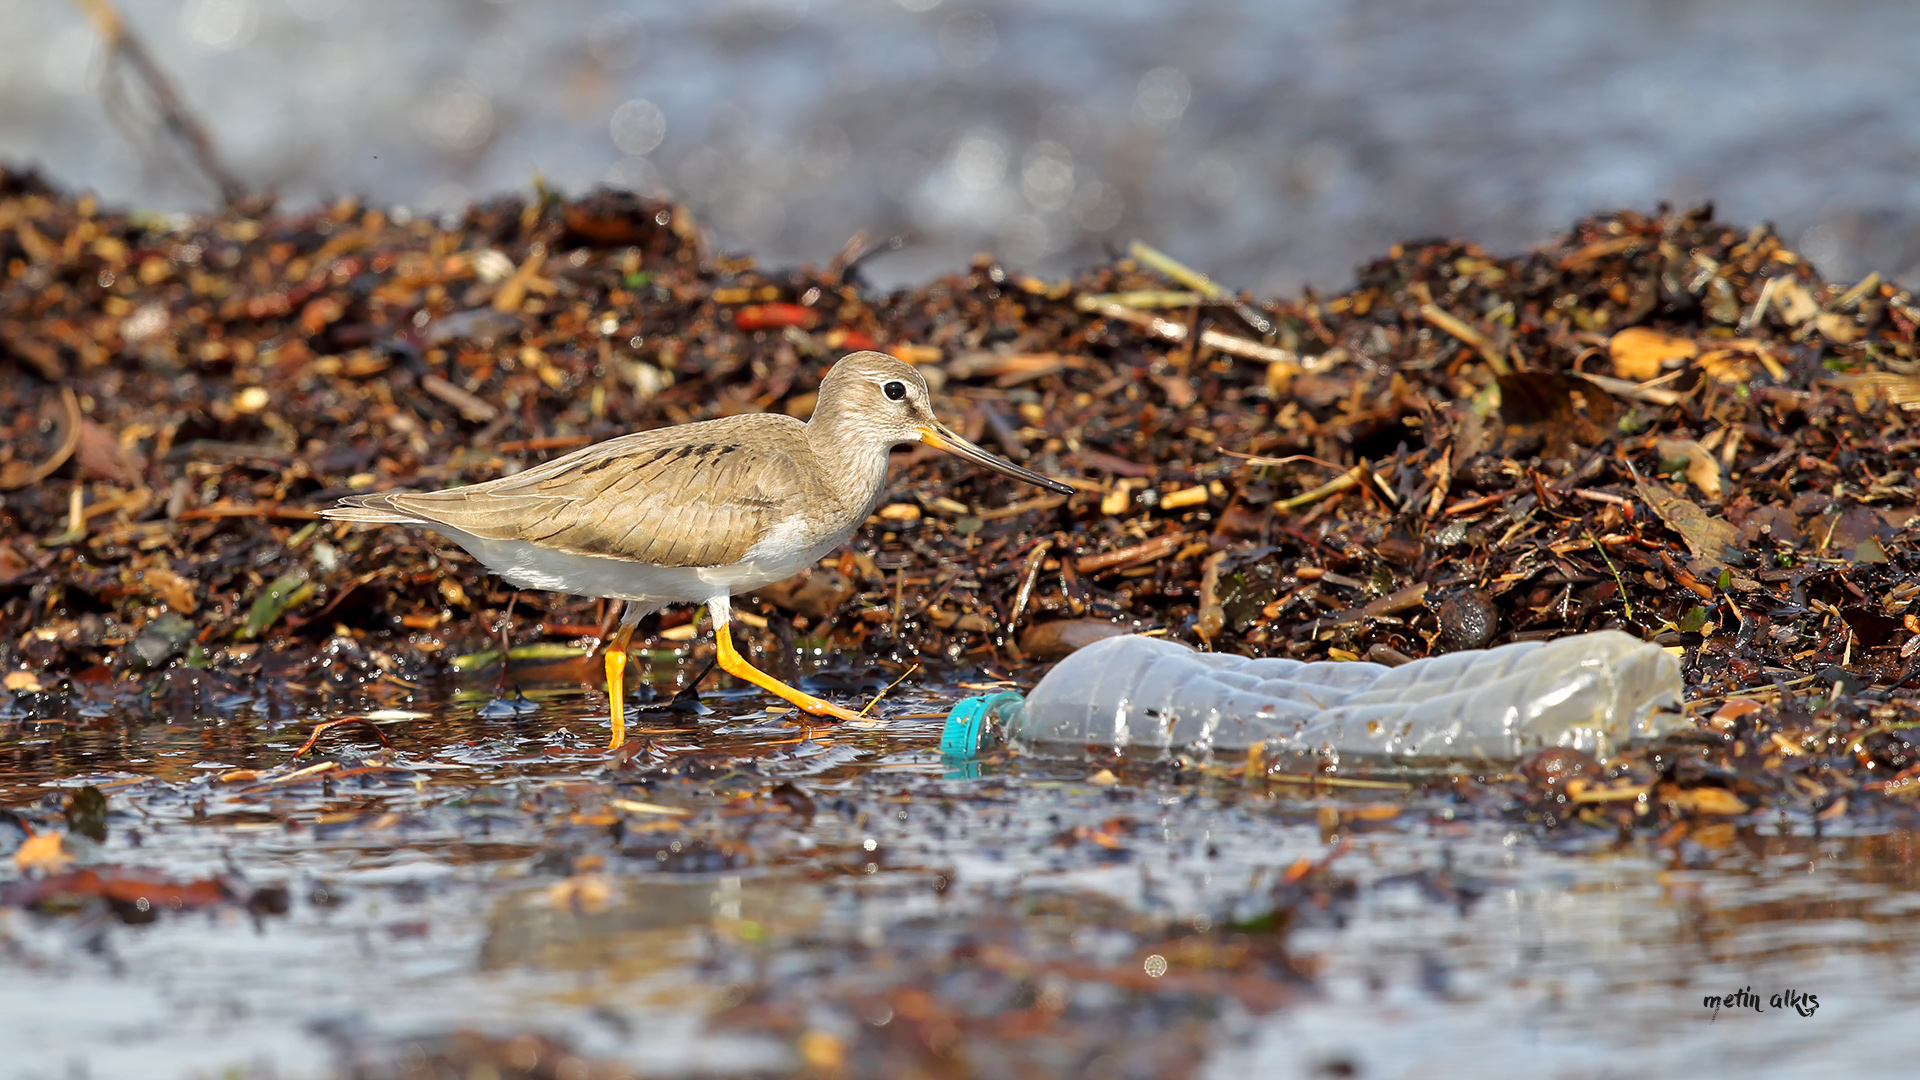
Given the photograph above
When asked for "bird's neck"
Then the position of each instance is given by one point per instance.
(852, 456)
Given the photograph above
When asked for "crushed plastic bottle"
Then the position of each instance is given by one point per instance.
(1593, 692)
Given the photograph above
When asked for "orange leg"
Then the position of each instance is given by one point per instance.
(616, 685)
(736, 665)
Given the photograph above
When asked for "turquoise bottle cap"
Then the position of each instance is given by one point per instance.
(967, 721)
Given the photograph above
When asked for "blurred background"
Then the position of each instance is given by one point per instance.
(1273, 143)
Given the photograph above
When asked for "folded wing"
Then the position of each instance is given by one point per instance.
(697, 495)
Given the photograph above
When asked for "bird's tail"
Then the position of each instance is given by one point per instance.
(370, 510)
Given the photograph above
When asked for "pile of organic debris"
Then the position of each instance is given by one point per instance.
(1660, 424)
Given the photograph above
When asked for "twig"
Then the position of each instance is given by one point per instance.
(1177, 270)
(1041, 502)
(889, 689)
(257, 510)
(1262, 461)
(1150, 298)
(1601, 496)
(471, 405)
(121, 43)
(1619, 584)
(1393, 603)
(1336, 781)
(1641, 392)
(1853, 296)
(1128, 557)
(1219, 341)
(1468, 335)
(328, 725)
(1338, 484)
(69, 442)
(1759, 311)
(1468, 506)
(1026, 585)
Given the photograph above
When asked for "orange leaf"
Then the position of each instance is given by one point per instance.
(776, 316)
(1639, 354)
(42, 851)
(1723, 718)
(1706, 800)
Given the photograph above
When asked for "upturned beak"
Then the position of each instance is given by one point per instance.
(939, 435)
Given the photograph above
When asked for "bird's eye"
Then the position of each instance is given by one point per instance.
(895, 390)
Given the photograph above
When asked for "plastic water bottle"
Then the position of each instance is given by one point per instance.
(1592, 692)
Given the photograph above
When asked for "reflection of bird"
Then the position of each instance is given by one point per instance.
(694, 513)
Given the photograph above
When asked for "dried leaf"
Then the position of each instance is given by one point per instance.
(13, 565)
(1640, 354)
(45, 852)
(1794, 303)
(1837, 328)
(584, 893)
(171, 589)
(1871, 628)
(1707, 536)
(1704, 800)
(1058, 637)
(1703, 469)
(1724, 717)
(1728, 366)
(100, 454)
(131, 889)
(1569, 410)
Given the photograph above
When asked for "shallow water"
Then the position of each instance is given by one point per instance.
(740, 896)
(1270, 143)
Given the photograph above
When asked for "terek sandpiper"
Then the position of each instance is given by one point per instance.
(697, 513)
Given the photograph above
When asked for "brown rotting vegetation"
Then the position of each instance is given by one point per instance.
(1658, 423)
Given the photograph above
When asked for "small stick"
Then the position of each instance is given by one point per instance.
(69, 442)
(174, 115)
(1257, 459)
(1468, 506)
(1760, 694)
(1217, 340)
(1619, 584)
(471, 405)
(889, 688)
(1337, 781)
(328, 725)
(1177, 270)
(1601, 496)
(1026, 587)
(1468, 335)
(1645, 393)
(1853, 296)
(254, 510)
(1350, 478)
(1150, 298)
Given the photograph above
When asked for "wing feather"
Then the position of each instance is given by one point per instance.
(694, 495)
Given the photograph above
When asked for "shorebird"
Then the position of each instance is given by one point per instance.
(697, 513)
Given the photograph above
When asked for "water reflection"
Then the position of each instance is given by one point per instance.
(740, 876)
